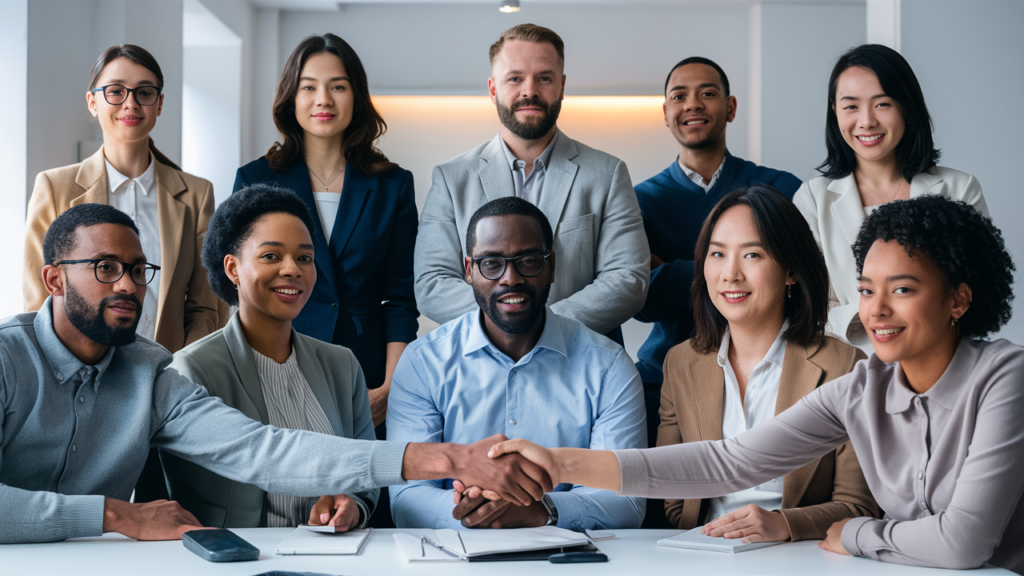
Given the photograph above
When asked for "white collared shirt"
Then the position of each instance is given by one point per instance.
(137, 197)
(530, 187)
(758, 405)
(698, 179)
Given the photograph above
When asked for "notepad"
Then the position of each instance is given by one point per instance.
(694, 540)
(322, 540)
(448, 545)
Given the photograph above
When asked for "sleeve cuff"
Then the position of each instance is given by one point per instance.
(571, 515)
(850, 532)
(83, 516)
(364, 512)
(633, 477)
(401, 328)
(386, 463)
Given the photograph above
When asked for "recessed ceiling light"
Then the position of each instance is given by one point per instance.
(509, 6)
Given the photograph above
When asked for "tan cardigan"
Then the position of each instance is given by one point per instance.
(813, 497)
(188, 308)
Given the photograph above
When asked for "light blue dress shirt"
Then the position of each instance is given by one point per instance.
(575, 389)
(72, 434)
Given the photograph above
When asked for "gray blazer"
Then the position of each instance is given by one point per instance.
(224, 364)
(602, 257)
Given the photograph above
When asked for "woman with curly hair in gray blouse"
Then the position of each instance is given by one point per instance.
(934, 414)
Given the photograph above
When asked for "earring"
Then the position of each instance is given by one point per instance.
(789, 291)
(954, 323)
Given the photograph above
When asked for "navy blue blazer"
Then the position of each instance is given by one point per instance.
(363, 297)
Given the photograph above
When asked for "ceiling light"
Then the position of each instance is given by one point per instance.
(509, 6)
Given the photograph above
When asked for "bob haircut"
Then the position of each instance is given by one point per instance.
(788, 241)
(231, 225)
(362, 133)
(966, 247)
(142, 57)
(916, 152)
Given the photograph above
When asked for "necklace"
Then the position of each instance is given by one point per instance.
(340, 172)
(897, 193)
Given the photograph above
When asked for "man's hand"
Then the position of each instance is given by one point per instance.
(464, 505)
(656, 261)
(502, 514)
(751, 523)
(512, 477)
(340, 511)
(535, 453)
(379, 404)
(159, 520)
(833, 541)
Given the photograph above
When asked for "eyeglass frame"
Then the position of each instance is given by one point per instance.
(130, 92)
(124, 268)
(515, 264)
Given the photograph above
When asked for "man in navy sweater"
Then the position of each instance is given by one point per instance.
(675, 203)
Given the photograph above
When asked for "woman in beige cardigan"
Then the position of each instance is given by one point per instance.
(170, 207)
(760, 300)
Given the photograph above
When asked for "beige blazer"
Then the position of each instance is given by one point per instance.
(813, 497)
(188, 309)
(835, 213)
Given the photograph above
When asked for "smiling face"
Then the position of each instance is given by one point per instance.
(746, 286)
(696, 107)
(871, 122)
(905, 305)
(512, 303)
(527, 86)
(324, 102)
(127, 122)
(274, 268)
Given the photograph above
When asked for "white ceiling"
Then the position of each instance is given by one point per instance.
(332, 5)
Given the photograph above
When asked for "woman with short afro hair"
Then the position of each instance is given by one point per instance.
(934, 415)
(259, 254)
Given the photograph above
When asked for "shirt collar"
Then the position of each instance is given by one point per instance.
(62, 362)
(552, 337)
(690, 173)
(542, 161)
(116, 180)
(776, 355)
(945, 392)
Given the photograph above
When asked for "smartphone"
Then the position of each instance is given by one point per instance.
(575, 557)
(219, 546)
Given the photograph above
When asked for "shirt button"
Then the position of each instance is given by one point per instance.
(81, 399)
(334, 305)
(74, 448)
(920, 474)
(60, 377)
(512, 422)
(924, 505)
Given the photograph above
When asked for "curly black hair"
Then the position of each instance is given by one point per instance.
(232, 223)
(965, 245)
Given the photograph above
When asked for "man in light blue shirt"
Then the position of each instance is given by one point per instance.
(515, 367)
(82, 399)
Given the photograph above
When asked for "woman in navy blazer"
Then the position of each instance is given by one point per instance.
(363, 205)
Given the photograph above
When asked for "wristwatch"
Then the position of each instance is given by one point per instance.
(549, 505)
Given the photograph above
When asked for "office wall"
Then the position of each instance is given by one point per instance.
(967, 57)
(13, 146)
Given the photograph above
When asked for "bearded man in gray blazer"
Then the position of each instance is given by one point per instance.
(603, 257)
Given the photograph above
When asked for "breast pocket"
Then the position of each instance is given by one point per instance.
(574, 253)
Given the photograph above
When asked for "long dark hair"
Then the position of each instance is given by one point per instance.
(916, 152)
(143, 58)
(367, 124)
(787, 239)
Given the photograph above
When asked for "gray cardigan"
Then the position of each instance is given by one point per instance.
(223, 362)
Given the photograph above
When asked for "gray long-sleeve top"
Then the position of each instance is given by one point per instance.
(72, 434)
(947, 466)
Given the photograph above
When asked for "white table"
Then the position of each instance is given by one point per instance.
(633, 552)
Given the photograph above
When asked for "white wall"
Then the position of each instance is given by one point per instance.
(13, 147)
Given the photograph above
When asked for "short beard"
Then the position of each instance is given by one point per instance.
(532, 130)
(518, 325)
(91, 323)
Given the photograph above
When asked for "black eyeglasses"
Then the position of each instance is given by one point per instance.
(527, 265)
(109, 271)
(116, 94)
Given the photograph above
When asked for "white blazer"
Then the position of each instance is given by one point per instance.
(834, 212)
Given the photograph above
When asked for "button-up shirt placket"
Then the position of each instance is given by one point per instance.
(924, 421)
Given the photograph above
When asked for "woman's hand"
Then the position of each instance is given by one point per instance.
(833, 541)
(751, 523)
(340, 511)
(379, 403)
(535, 453)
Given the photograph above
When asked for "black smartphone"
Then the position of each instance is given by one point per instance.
(219, 546)
(575, 557)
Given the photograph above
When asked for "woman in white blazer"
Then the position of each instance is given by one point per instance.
(879, 139)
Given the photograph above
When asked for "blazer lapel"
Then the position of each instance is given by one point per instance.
(707, 386)
(561, 173)
(799, 378)
(296, 179)
(922, 182)
(92, 177)
(245, 366)
(848, 210)
(171, 215)
(354, 192)
(495, 174)
(313, 371)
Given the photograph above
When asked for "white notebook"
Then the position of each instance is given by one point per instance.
(448, 545)
(322, 540)
(694, 540)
